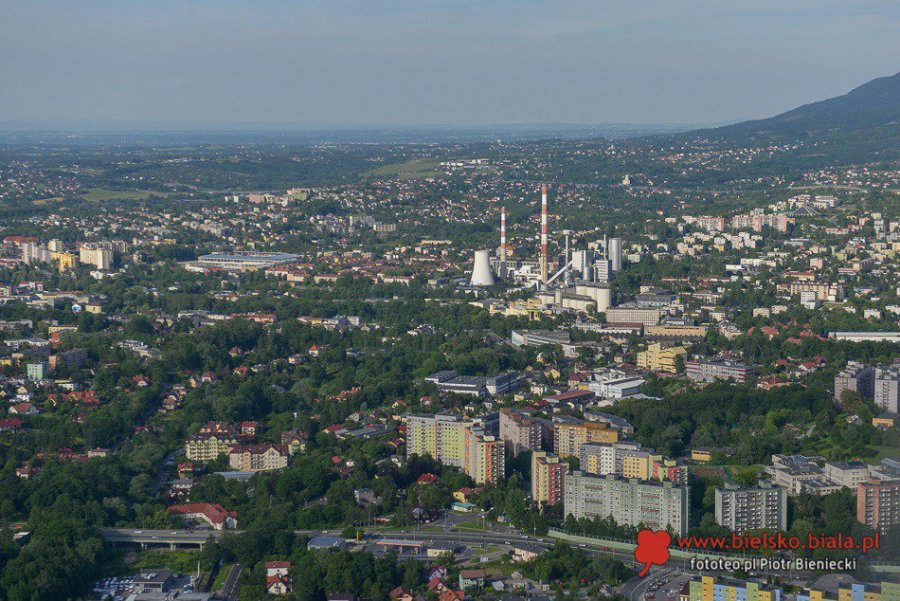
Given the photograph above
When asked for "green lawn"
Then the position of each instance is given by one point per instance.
(219, 582)
(182, 562)
(470, 526)
(408, 170)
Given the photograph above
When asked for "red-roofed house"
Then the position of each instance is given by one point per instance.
(211, 513)
(427, 479)
(278, 581)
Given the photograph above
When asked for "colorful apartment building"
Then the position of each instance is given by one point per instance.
(709, 588)
(547, 477)
(570, 433)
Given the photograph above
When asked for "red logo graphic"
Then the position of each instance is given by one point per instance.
(652, 547)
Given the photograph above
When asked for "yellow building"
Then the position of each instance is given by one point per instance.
(439, 436)
(207, 447)
(709, 588)
(657, 358)
(701, 455)
(484, 456)
(65, 261)
(569, 435)
(636, 466)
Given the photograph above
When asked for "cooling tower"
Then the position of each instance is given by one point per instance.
(481, 269)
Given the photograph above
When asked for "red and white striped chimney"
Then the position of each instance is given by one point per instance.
(503, 234)
(543, 232)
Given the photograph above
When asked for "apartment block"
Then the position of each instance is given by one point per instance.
(887, 388)
(547, 477)
(520, 433)
(656, 505)
(207, 446)
(710, 370)
(570, 433)
(751, 508)
(257, 458)
(484, 456)
(711, 588)
(856, 377)
(878, 504)
(440, 436)
(96, 255)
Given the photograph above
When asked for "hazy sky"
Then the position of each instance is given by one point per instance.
(436, 61)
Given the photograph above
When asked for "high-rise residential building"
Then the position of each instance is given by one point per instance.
(570, 433)
(878, 504)
(440, 436)
(96, 255)
(65, 261)
(629, 459)
(887, 387)
(710, 370)
(751, 508)
(856, 377)
(520, 433)
(601, 458)
(547, 477)
(711, 588)
(659, 358)
(484, 456)
(656, 505)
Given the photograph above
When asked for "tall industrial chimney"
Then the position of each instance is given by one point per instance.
(544, 233)
(502, 269)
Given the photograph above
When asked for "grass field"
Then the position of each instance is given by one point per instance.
(219, 582)
(100, 194)
(181, 562)
(409, 170)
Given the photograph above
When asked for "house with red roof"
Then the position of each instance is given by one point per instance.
(211, 513)
(427, 478)
(12, 424)
(278, 581)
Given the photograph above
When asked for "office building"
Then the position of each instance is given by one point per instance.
(646, 316)
(710, 370)
(547, 477)
(847, 473)
(878, 504)
(484, 456)
(520, 433)
(887, 388)
(856, 377)
(659, 358)
(751, 508)
(628, 501)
